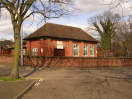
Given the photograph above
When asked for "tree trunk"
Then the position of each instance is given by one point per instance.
(15, 67)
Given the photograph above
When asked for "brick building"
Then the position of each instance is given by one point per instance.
(6, 47)
(59, 40)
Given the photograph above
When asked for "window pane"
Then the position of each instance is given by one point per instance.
(34, 51)
(85, 50)
(92, 50)
(76, 50)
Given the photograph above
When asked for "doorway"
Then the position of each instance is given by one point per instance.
(59, 52)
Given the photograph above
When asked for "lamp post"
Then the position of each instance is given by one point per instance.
(22, 45)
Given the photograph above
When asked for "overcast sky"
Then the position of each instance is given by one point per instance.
(87, 9)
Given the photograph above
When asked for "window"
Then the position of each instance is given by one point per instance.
(59, 45)
(42, 50)
(85, 50)
(34, 51)
(24, 51)
(76, 49)
(91, 50)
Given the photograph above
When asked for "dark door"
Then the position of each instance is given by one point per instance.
(59, 52)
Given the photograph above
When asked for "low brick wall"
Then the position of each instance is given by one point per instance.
(76, 62)
(6, 59)
(69, 61)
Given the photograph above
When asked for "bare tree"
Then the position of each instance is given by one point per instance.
(124, 37)
(20, 10)
(105, 24)
(120, 3)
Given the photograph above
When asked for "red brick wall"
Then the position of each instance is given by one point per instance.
(6, 59)
(31, 45)
(76, 62)
(48, 45)
(69, 61)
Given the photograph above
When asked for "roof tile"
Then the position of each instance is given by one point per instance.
(61, 31)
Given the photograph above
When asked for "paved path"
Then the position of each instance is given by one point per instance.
(5, 70)
(13, 89)
(62, 83)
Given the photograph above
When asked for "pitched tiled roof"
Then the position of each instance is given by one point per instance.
(61, 31)
(6, 44)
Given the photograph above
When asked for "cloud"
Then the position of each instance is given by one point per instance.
(125, 9)
(91, 6)
(96, 6)
(87, 29)
(78, 25)
(6, 29)
(91, 31)
(87, 7)
(28, 29)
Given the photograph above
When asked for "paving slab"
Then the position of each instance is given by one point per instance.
(14, 89)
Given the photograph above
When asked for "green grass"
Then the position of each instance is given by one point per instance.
(8, 79)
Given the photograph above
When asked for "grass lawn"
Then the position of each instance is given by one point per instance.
(8, 79)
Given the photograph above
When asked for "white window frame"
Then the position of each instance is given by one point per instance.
(92, 50)
(24, 51)
(85, 50)
(75, 48)
(34, 51)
